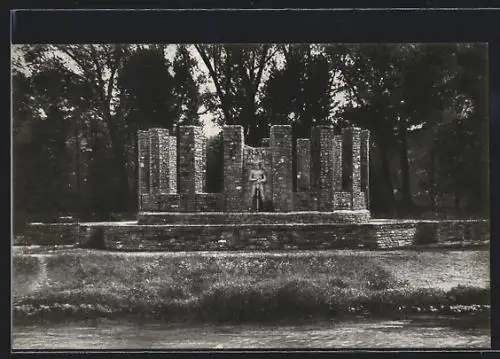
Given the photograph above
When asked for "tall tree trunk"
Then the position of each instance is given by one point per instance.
(405, 166)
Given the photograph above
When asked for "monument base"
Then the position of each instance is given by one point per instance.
(211, 218)
(132, 236)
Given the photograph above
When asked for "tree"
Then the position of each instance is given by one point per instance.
(237, 73)
(164, 94)
(42, 123)
(462, 145)
(96, 67)
(187, 87)
(398, 87)
(302, 91)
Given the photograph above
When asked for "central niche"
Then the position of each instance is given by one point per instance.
(257, 179)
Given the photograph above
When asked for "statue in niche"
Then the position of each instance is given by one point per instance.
(258, 178)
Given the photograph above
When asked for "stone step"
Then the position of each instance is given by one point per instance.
(209, 218)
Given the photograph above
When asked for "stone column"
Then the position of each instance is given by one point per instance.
(352, 164)
(159, 158)
(337, 163)
(303, 165)
(322, 166)
(233, 168)
(282, 176)
(143, 167)
(191, 166)
(171, 163)
(161, 169)
(365, 166)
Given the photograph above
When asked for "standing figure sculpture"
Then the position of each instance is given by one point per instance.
(258, 178)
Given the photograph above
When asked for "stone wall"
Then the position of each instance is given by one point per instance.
(352, 155)
(328, 167)
(337, 217)
(143, 165)
(365, 165)
(163, 202)
(342, 200)
(346, 161)
(337, 163)
(265, 142)
(282, 177)
(303, 165)
(247, 236)
(322, 166)
(306, 201)
(157, 159)
(171, 164)
(233, 168)
(372, 235)
(192, 165)
(209, 202)
(162, 161)
(49, 234)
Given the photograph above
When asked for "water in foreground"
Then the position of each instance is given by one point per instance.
(418, 332)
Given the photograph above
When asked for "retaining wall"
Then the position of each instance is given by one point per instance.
(263, 236)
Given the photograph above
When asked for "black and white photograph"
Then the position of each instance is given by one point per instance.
(218, 196)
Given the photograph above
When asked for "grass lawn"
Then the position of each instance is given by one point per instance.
(246, 286)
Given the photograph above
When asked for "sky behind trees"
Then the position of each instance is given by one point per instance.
(210, 126)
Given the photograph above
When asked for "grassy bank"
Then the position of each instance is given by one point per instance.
(71, 284)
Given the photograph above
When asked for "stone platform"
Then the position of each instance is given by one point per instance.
(133, 236)
(270, 218)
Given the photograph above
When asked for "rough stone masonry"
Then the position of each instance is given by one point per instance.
(332, 171)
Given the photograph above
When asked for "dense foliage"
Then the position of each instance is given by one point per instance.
(77, 108)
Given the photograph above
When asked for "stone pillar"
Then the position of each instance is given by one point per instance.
(162, 179)
(233, 168)
(282, 176)
(154, 161)
(143, 166)
(365, 166)
(337, 163)
(322, 166)
(191, 165)
(303, 165)
(171, 163)
(352, 164)
(201, 161)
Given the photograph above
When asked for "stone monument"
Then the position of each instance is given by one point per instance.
(259, 207)
(332, 173)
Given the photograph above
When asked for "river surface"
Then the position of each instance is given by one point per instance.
(420, 332)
